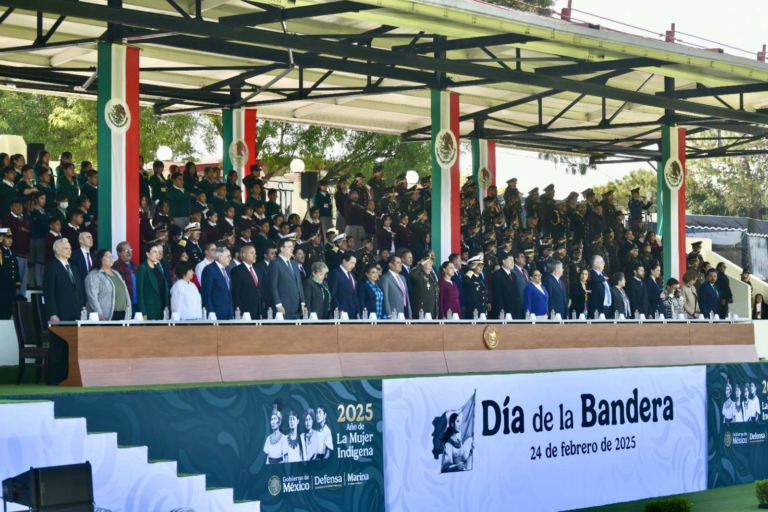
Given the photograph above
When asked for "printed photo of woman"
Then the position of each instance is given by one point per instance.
(324, 435)
(309, 438)
(457, 456)
(294, 451)
(275, 445)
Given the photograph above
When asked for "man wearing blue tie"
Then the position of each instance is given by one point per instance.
(709, 295)
(600, 300)
(217, 285)
(287, 292)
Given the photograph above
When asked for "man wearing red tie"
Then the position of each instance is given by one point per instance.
(246, 287)
(83, 256)
(505, 293)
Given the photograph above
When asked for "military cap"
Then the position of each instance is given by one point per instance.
(586, 192)
(289, 236)
(413, 189)
(401, 176)
(559, 246)
(366, 238)
(359, 175)
(546, 247)
(528, 251)
(474, 260)
(581, 204)
(507, 240)
(549, 187)
(339, 238)
(619, 213)
(608, 193)
(560, 202)
(511, 181)
(573, 195)
(514, 193)
(426, 255)
(5, 232)
(598, 235)
(696, 244)
(576, 250)
(488, 199)
(313, 233)
(390, 190)
(527, 231)
(489, 245)
(534, 190)
(534, 215)
(161, 229)
(330, 233)
(378, 167)
(746, 271)
(192, 226)
(635, 190)
(426, 179)
(693, 257)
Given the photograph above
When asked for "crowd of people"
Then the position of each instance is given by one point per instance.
(204, 250)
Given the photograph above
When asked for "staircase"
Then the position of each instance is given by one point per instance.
(124, 479)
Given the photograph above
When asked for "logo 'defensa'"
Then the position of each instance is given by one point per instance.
(673, 174)
(118, 115)
(728, 439)
(446, 148)
(274, 486)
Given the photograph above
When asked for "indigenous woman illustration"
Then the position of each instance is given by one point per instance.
(309, 437)
(457, 456)
(729, 408)
(294, 451)
(324, 436)
(739, 407)
(275, 446)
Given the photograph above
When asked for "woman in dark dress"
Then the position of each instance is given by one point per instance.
(449, 292)
(316, 292)
(191, 179)
(384, 235)
(758, 309)
(152, 287)
(580, 295)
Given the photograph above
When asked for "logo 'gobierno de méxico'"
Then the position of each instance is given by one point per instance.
(274, 486)
(728, 439)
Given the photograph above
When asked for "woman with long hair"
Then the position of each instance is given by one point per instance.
(758, 308)
(294, 450)
(370, 295)
(191, 179)
(42, 162)
(384, 234)
(729, 407)
(324, 436)
(309, 436)
(275, 445)
(690, 295)
(105, 289)
(231, 183)
(739, 406)
(456, 454)
(449, 292)
(152, 287)
(580, 295)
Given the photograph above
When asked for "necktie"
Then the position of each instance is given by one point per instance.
(226, 277)
(255, 279)
(88, 258)
(511, 277)
(69, 271)
(402, 289)
(525, 275)
(351, 281)
(301, 268)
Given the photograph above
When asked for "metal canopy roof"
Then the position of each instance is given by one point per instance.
(525, 80)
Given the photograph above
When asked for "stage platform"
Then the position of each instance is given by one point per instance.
(147, 353)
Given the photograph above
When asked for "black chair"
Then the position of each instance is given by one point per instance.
(30, 344)
(38, 310)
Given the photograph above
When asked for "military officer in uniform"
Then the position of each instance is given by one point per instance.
(511, 191)
(532, 203)
(475, 291)
(365, 256)
(696, 253)
(313, 248)
(530, 260)
(389, 205)
(425, 196)
(596, 248)
(579, 223)
(377, 186)
(190, 243)
(609, 209)
(513, 210)
(546, 206)
(491, 261)
(637, 206)
(401, 186)
(419, 226)
(558, 221)
(10, 280)
(590, 199)
(545, 258)
(425, 288)
(362, 191)
(612, 248)
(489, 213)
(576, 266)
(335, 252)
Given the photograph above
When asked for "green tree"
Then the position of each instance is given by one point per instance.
(643, 178)
(538, 6)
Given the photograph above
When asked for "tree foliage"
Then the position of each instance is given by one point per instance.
(69, 124)
(538, 6)
(643, 178)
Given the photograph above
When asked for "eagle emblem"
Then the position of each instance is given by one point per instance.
(446, 148)
(490, 337)
(117, 115)
(484, 178)
(673, 174)
(238, 153)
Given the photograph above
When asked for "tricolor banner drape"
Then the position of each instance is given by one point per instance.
(446, 199)
(239, 126)
(483, 166)
(118, 145)
(671, 208)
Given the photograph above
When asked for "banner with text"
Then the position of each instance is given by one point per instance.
(296, 446)
(545, 441)
(737, 421)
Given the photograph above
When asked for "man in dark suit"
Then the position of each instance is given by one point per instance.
(83, 257)
(637, 292)
(521, 281)
(724, 286)
(217, 285)
(285, 286)
(407, 258)
(246, 286)
(64, 298)
(600, 295)
(505, 292)
(268, 255)
(395, 290)
(710, 296)
(343, 287)
(553, 283)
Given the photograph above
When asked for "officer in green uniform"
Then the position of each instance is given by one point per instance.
(313, 248)
(390, 205)
(612, 248)
(530, 260)
(475, 291)
(425, 287)
(579, 223)
(631, 260)
(420, 225)
(545, 258)
(401, 188)
(532, 203)
(546, 206)
(489, 213)
(471, 207)
(10, 280)
(490, 260)
(425, 195)
(576, 266)
(511, 191)
(609, 209)
(696, 253)
(364, 256)
(558, 221)
(596, 248)
(513, 210)
(377, 186)
(362, 191)
(412, 207)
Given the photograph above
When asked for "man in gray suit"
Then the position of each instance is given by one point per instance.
(521, 281)
(286, 290)
(395, 288)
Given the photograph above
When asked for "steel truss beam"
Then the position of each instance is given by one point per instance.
(587, 68)
(378, 56)
(309, 11)
(48, 46)
(703, 92)
(467, 43)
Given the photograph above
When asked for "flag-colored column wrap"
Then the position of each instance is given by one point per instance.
(483, 157)
(671, 203)
(446, 192)
(239, 127)
(118, 145)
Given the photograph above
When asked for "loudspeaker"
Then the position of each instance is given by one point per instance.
(308, 184)
(60, 488)
(33, 148)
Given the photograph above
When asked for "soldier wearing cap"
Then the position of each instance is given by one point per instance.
(530, 260)
(471, 207)
(595, 222)
(595, 248)
(475, 291)
(631, 260)
(10, 278)
(638, 229)
(579, 223)
(532, 203)
(545, 258)
(546, 206)
(489, 213)
(696, 252)
(401, 185)
(576, 266)
(513, 210)
(362, 191)
(313, 248)
(425, 287)
(559, 225)
(390, 205)
(377, 186)
(472, 240)
(637, 206)
(365, 256)
(511, 190)
(190, 243)
(617, 226)
(490, 259)
(426, 194)
(334, 253)
(612, 248)
(609, 209)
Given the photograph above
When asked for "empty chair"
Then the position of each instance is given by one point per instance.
(30, 345)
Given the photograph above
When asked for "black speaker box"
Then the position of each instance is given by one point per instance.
(308, 184)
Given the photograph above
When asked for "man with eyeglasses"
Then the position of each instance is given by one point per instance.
(127, 270)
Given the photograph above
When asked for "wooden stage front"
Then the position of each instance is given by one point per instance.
(122, 354)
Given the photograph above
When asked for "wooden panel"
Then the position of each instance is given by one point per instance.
(714, 354)
(390, 338)
(247, 340)
(149, 371)
(656, 356)
(722, 334)
(279, 367)
(481, 361)
(586, 357)
(69, 334)
(652, 334)
(565, 336)
(138, 342)
(370, 364)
